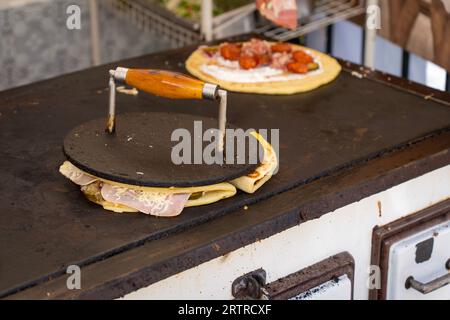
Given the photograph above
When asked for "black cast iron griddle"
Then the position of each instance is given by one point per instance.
(139, 152)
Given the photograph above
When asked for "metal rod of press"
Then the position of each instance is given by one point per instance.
(111, 123)
(222, 118)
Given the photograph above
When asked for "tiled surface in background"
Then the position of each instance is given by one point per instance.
(35, 43)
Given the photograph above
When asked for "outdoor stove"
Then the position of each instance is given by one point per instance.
(363, 186)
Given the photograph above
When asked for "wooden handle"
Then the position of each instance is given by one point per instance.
(165, 83)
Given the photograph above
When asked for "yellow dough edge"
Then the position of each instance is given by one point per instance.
(256, 179)
(209, 194)
(331, 69)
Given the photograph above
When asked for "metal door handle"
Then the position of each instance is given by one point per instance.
(431, 286)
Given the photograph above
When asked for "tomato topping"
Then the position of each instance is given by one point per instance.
(281, 47)
(302, 57)
(297, 67)
(263, 59)
(248, 62)
(230, 51)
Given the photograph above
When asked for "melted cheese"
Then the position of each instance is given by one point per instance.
(155, 203)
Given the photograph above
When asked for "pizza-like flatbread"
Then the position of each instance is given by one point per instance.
(206, 64)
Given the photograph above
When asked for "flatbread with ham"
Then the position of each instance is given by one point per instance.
(167, 202)
(259, 66)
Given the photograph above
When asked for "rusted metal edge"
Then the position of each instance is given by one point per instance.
(141, 266)
(313, 276)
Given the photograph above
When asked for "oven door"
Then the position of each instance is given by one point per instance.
(413, 255)
(419, 266)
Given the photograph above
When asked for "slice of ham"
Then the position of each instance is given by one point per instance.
(255, 47)
(280, 60)
(153, 203)
(281, 12)
(76, 175)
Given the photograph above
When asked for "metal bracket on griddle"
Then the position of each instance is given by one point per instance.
(210, 91)
(222, 117)
(111, 123)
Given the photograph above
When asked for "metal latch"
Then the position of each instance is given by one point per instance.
(250, 286)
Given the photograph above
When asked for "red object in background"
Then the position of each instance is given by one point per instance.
(281, 12)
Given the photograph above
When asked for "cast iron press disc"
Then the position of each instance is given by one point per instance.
(139, 152)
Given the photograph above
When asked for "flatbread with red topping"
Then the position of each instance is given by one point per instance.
(259, 66)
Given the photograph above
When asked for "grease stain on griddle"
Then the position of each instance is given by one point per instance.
(359, 134)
